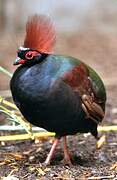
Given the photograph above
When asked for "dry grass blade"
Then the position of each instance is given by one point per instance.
(12, 114)
(15, 156)
(101, 141)
(4, 102)
(26, 136)
(107, 128)
(101, 177)
(16, 118)
(10, 176)
(114, 166)
(3, 70)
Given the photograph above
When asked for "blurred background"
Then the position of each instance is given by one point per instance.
(86, 29)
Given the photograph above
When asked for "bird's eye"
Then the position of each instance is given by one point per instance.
(29, 55)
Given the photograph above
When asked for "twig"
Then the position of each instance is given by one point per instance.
(26, 136)
(27, 126)
(107, 128)
(101, 177)
(101, 141)
(7, 103)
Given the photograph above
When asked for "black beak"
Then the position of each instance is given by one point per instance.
(17, 61)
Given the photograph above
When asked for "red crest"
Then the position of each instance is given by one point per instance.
(40, 34)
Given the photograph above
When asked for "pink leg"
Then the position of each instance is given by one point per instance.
(51, 153)
(67, 159)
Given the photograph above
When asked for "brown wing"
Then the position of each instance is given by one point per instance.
(78, 78)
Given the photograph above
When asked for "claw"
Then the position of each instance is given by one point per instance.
(66, 162)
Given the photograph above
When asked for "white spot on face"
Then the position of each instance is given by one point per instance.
(23, 48)
(17, 59)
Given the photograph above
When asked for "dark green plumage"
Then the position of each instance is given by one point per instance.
(59, 93)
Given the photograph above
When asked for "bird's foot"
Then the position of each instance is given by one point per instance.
(67, 161)
(46, 163)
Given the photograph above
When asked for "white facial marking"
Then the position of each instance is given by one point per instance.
(17, 59)
(23, 48)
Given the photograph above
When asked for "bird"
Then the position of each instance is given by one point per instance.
(59, 93)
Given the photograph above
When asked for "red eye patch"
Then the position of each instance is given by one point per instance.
(30, 54)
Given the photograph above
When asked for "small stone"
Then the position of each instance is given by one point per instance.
(31, 158)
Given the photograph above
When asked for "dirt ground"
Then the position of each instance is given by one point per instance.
(88, 163)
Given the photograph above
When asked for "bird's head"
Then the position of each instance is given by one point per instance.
(28, 56)
(39, 41)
